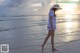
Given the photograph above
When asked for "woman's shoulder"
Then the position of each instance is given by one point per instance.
(51, 12)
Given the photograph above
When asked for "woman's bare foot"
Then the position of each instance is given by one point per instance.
(54, 49)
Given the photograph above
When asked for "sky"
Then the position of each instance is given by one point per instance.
(12, 7)
(23, 7)
(8, 7)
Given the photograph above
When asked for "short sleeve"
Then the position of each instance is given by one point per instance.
(51, 13)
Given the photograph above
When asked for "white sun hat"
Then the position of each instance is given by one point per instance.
(56, 6)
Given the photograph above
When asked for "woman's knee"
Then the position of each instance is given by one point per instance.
(52, 33)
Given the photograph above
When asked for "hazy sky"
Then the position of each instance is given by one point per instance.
(10, 6)
(20, 6)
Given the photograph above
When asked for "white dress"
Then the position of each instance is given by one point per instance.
(51, 13)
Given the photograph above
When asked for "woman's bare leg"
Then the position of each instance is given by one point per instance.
(52, 40)
(47, 37)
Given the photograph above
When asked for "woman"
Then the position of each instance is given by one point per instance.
(51, 26)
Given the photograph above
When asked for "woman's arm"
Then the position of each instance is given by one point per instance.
(51, 22)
